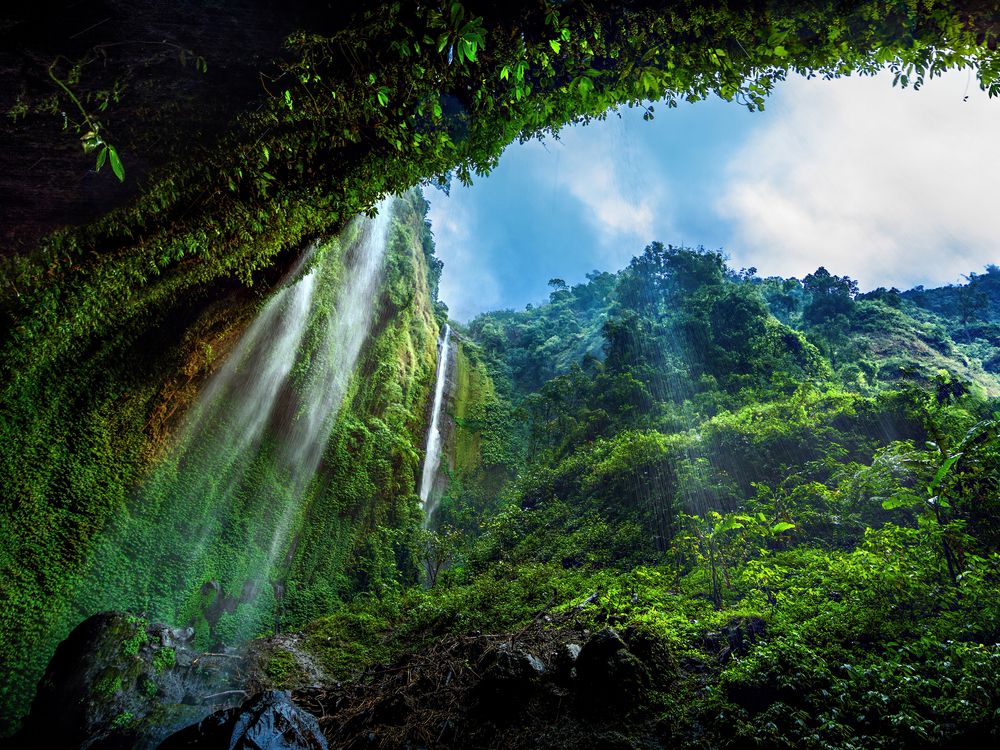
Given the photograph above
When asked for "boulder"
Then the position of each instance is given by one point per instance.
(266, 721)
(508, 680)
(119, 682)
(99, 682)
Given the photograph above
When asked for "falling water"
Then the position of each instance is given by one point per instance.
(213, 524)
(432, 459)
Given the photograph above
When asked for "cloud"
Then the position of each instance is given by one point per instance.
(468, 284)
(893, 187)
(600, 167)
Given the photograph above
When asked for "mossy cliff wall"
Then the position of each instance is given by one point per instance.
(107, 510)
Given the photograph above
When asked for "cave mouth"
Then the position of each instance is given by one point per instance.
(169, 166)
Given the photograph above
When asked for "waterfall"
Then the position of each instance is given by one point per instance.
(432, 459)
(214, 524)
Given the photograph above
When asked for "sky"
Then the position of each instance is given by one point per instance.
(893, 187)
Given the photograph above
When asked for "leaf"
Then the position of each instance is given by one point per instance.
(101, 157)
(727, 524)
(116, 164)
(782, 526)
(944, 469)
(904, 500)
(504, 73)
(383, 97)
(554, 44)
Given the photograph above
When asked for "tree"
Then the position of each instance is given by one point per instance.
(828, 295)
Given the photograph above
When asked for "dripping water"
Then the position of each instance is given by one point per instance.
(432, 458)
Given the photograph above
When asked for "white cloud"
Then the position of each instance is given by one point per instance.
(890, 186)
(468, 285)
(601, 167)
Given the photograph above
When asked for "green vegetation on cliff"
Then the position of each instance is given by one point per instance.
(156, 530)
(796, 537)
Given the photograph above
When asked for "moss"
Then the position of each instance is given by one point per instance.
(164, 659)
(473, 391)
(108, 684)
(137, 639)
(122, 720)
(283, 669)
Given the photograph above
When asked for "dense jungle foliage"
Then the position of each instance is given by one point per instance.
(783, 492)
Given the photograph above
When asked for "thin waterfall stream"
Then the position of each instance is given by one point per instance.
(432, 458)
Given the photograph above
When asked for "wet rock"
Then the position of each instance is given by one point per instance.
(266, 721)
(117, 681)
(96, 685)
(509, 680)
(609, 676)
(564, 661)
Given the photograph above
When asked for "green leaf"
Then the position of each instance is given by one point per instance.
(727, 524)
(504, 73)
(116, 164)
(782, 526)
(944, 469)
(383, 96)
(101, 157)
(554, 44)
(903, 500)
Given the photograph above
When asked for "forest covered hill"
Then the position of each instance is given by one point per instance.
(766, 509)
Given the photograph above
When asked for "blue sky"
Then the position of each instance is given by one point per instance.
(893, 187)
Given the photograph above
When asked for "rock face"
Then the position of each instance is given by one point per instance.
(119, 682)
(267, 721)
